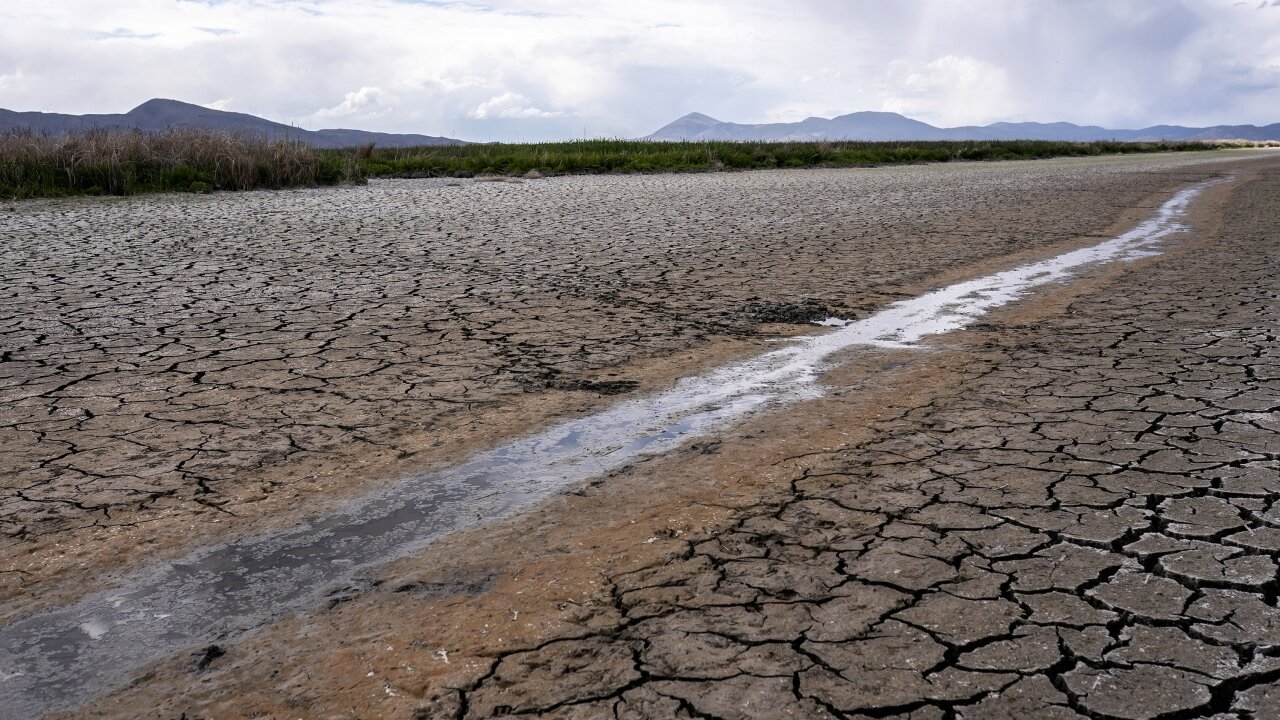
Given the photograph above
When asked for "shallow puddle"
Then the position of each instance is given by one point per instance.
(62, 657)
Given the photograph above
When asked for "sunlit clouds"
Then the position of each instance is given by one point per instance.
(541, 69)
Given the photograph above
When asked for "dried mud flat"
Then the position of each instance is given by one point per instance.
(1067, 511)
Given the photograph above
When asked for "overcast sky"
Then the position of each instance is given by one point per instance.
(545, 69)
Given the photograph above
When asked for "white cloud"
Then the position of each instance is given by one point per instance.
(509, 105)
(11, 81)
(953, 89)
(366, 102)
(547, 68)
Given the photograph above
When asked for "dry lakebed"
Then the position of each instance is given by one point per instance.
(972, 440)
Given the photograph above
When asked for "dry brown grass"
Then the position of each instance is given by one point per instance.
(123, 162)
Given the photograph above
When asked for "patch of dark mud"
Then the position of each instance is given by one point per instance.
(791, 313)
(446, 587)
(350, 591)
(602, 387)
(549, 380)
(205, 657)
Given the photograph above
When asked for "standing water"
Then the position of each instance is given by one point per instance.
(62, 657)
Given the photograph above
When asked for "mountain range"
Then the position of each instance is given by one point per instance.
(873, 126)
(159, 114)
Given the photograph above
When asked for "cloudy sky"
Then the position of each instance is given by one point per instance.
(545, 69)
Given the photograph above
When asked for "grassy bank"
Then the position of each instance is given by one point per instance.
(125, 163)
(611, 156)
(102, 162)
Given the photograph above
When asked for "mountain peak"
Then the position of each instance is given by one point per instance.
(875, 114)
(158, 114)
(870, 125)
(164, 107)
(686, 127)
(166, 104)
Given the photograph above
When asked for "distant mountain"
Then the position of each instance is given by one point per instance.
(158, 114)
(892, 126)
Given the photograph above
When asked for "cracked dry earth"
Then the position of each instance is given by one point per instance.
(1068, 511)
(1087, 526)
(178, 370)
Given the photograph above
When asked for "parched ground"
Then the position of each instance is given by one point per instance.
(1069, 511)
(177, 370)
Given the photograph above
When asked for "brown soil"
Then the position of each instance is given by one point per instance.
(1067, 511)
(179, 371)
